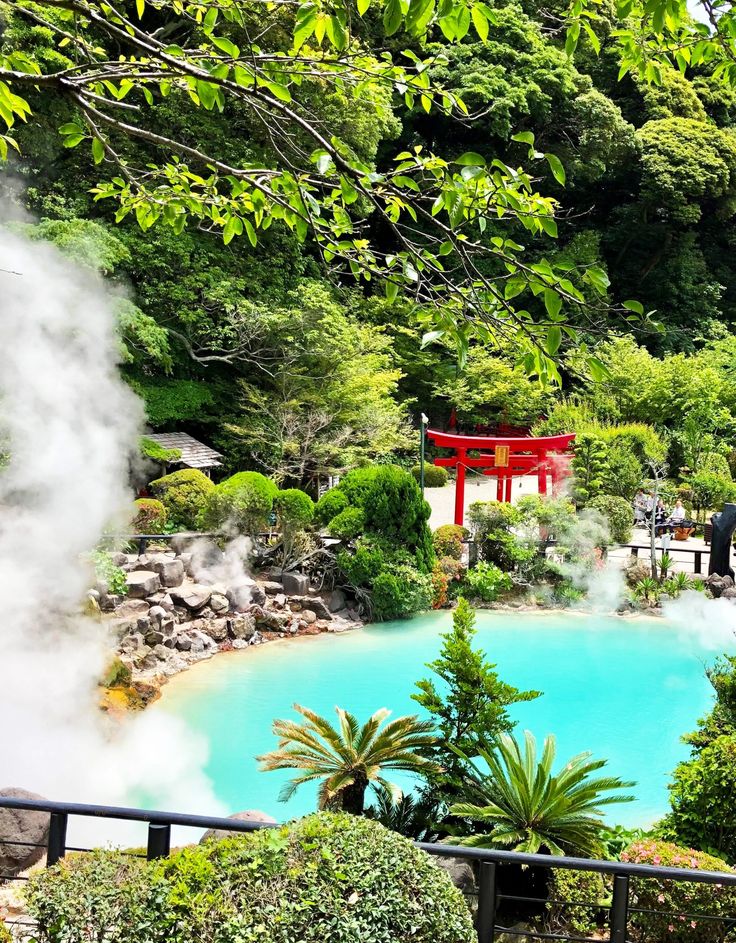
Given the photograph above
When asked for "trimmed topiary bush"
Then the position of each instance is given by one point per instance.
(617, 511)
(448, 540)
(330, 505)
(435, 476)
(395, 509)
(184, 494)
(242, 503)
(295, 509)
(328, 877)
(150, 516)
(685, 898)
(348, 524)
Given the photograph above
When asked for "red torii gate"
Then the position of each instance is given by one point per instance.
(504, 457)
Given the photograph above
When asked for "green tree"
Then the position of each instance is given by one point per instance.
(470, 704)
(528, 808)
(589, 465)
(348, 758)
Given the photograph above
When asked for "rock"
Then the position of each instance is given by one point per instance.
(250, 815)
(32, 827)
(637, 571)
(729, 593)
(142, 583)
(295, 584)
(317, 607)
(102, 588)
(143, 624)
(192, 597)
(309, 616)
(258, 594)
(161, 599)
(716, 585)
(336, 600)
(186, 560)
(154, 638)
(132, 608)
(270, 587)
(272, 621)
(219, 603)
(150, 662)
(132, 643)
(119, 559)
(295, 606)
(460, 872)
(161, 652)
(171, 572)
(279, 600)
(106, 602)
(169, 642)
(183, 643)
(242, 627)
(294, 628)
(216, 629)
(157, 614)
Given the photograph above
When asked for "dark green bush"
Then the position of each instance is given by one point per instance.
(184, 494)
(565, 889)
(330, 505)
(685, 898)
(435, 476)
(400, 592)
(324, 879)
(356, 485)
(150, 516)
(348, 524)
(242, 503)
(295, 509)
(448, 540)
(395, 509)
(618, 513)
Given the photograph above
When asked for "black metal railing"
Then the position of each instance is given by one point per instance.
(488, 864)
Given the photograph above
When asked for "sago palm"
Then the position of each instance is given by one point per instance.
(348, 757)
(528, 808)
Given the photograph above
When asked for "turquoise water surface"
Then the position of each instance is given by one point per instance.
(624, 689)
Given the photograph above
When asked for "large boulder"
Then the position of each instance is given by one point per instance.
(31, 828)
(336, 600)
(295, 584)
(219, 603)
(460, 872)
(142, 583)
(242, 627)
(250, 815)
(170, 571)
(315, 604)
(192, 597)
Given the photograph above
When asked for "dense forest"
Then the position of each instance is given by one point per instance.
(286, 369)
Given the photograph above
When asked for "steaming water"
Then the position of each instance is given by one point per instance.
(625, 690)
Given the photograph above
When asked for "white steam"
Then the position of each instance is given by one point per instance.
(70, 426)
(711, 621)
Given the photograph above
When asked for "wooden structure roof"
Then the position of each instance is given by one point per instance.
(194, 454)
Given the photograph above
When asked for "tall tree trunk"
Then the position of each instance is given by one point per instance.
(353, 797)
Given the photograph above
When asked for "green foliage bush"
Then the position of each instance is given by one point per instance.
(330, 505)
(295, 509)
(716, 464)
(684, 898)
(328, 877)
(106, 571)
(486, 581)
(348, 524)
(618, 513)
(590, 466)
(184, 494)
(624, 472)
(394, 508)
(710, 491)
(435, 476)
(448, 540)
(565, 889)
(401, 591)
(357, 484)
(242, 503)
(150, 516)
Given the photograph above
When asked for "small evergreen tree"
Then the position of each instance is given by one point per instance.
(590, 466)
(472, 712)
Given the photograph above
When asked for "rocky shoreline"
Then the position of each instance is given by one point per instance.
(186, 604)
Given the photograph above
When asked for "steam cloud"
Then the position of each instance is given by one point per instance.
(70, 426)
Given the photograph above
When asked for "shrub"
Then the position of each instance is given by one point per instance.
(486, 581)
(184, 494)
(435, 476)
(357, 484)
(670, 897)
(590, 466)
(330, 505)
(440, 585)
(716, 464)
(150, 516)
(448, 540)
(364, 564)
(565, 889)
(710, 491)
(348, 524)
(333, 877)
(242, 503)
(401, 591)
(624, 472)
(295, 509)
(107, 572)
(618, 513)
(395, 509)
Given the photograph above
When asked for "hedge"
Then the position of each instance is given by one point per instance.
(435, 476)
(184, 494)
(328, 877)
(330, 505)
(151, 516)
(242, 503)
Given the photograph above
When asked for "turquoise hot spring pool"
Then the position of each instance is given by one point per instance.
(624, 689)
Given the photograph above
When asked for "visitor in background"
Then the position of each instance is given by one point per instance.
(649, 505)
(640, 507)
(660, 518)
(678, 519)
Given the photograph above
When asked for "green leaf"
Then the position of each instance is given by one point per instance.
(140, 6)
(207, 94)
(430, 337)
(524, 137)
(98, 150)
(552, 302)
(471, 159)
(480, 23)
(392, 290)
(392, 17)
(554, 339)
(71, 140)
(634, 306)
(555, 165)
(363, 6)
(224, 45)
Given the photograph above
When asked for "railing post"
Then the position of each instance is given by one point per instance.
(698, 567)
(56, 848)
(487, 902)
(620, 908)
(159, 841)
